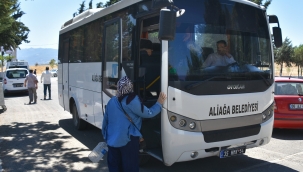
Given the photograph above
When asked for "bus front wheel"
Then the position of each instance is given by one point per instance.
(78, 122)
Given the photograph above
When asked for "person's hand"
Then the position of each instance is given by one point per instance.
(228, 55)
(161, 98)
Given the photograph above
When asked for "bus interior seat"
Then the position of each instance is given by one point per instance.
(152, 68)
(206, 51)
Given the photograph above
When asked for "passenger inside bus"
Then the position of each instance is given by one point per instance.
(151, 62)
(220, 58)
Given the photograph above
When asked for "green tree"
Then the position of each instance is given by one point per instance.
(298, 58)
(52, 63)
(260, 2)
(4, 59)
(82, 7)
(284, 54)
(99, 5)
(110, 2)
(90, 5)
(12, 31)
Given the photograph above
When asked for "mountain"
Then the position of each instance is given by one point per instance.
(37, 55)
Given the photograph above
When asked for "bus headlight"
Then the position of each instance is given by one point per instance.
(183, 123)
(268, 113)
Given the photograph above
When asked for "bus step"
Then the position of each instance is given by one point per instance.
(156, 153)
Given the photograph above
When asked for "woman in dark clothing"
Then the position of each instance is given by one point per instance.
(121, 135)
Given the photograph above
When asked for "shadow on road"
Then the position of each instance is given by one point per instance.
(90, 137)
(40, 147)
(21, 94)
(213, 164)
(288, 134)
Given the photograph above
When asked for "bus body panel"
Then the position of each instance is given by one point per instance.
(177, 145)
(85, 76)
(85, 89)
(60, 91)
(208, 107)
(65, 86)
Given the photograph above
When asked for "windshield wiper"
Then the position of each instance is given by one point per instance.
(263, 78)
(196, 84)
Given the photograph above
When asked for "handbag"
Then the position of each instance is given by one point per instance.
(142, 142)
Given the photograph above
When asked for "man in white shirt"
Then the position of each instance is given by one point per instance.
(46, 77)
(221, 58)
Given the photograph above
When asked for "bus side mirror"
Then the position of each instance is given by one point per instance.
(277, 36)
(167, 28)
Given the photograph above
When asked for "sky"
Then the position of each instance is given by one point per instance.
(44, 18)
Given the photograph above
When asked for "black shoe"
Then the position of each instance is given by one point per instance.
(44, 98)
(29, 103)
(49, 98)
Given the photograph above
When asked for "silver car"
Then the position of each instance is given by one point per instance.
(54, 72)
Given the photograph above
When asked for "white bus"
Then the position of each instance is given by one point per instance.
(210, 111)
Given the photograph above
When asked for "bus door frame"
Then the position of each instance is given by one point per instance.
(65, 78)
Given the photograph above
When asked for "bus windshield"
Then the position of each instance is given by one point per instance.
(220, 40)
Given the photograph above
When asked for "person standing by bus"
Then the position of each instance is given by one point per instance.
(46, 77)
(32, 85)
(35, 72)
(121, 135)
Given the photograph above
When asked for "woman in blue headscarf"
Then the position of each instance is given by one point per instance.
(121, 135)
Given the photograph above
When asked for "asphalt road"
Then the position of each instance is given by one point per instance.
(41, 137)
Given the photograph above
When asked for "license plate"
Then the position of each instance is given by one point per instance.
(296, 106)
(18, 85)
(232, 152)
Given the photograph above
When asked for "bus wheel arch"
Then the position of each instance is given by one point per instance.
(79, 123)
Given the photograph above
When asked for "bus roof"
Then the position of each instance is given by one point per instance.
(93, 14)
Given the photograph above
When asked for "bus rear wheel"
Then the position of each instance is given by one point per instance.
(78, 122)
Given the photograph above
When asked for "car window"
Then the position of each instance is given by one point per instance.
(284, 88)
(13, 74)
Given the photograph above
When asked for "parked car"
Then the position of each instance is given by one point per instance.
(13, 80)
(54, 72)
(288, 103)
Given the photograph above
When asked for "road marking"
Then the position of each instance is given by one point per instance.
(270, 162)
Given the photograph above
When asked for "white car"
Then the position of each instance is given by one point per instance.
(54, 72)
(14, 79)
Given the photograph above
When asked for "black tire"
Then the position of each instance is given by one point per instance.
(143, 159)
(78, 122)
